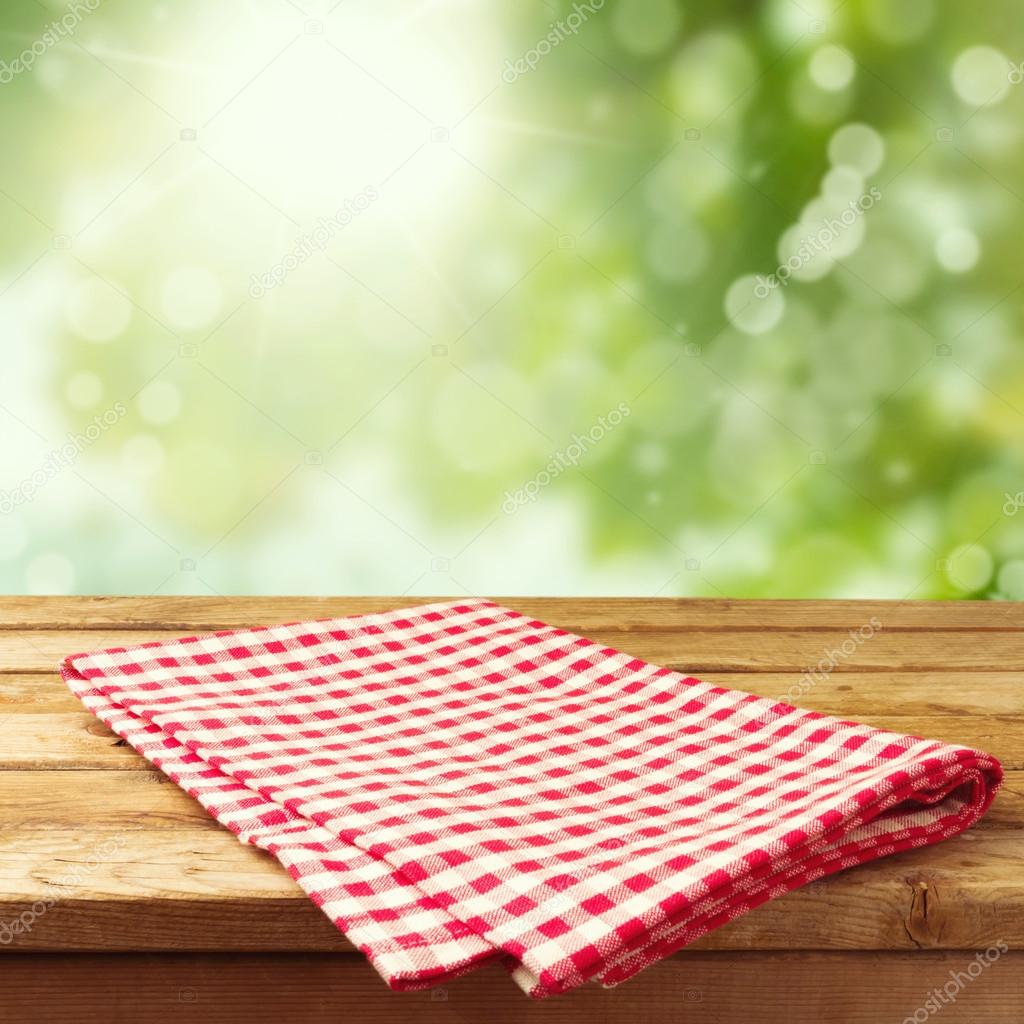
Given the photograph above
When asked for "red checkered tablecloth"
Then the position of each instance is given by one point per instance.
(458, 782)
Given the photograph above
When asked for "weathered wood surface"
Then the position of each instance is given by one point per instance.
(125, 862)
(686, 650)
(209, 613)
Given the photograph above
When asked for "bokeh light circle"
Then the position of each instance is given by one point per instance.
(970, 567)
(980, 76)
(713, 77)
(646, 27)
(858, 146)
(1011, 580)
(752, 306)
(842, 184)
(957, 250)
(831, 67)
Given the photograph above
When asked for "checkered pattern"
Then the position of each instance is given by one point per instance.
(458, 782)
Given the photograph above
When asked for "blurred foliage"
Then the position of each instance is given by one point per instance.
(544, 246)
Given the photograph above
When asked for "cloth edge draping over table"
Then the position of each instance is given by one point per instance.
(457, 782)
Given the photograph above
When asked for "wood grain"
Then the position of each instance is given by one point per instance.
(77, 740)
(853, 693)
(62, 798)
(693, 651)
(153, 912)
(220, 894)
(748, 988)
(46, 727)
(627, 613)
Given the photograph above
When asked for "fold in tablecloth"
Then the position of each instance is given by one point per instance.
(458, 782)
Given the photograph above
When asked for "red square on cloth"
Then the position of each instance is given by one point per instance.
(458, 782)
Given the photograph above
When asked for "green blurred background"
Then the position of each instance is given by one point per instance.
(543, 213)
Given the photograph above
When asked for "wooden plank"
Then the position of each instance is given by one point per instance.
(858, 694)
(191, 614)
(119, 801)
(79, 740)
(711, 988)
(199, 889)
(146, 799)
(849, 695)
(31, 694)
(1007, 810)
(47, 727)
(76, 740)
(693, 651)
(175, 880)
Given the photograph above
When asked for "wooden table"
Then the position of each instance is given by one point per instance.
(141, 908)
